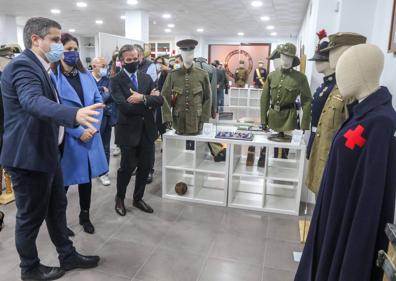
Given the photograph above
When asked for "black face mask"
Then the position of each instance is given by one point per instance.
(131, 67)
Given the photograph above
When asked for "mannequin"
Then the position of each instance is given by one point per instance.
(336, 54)
(187, 94)
(357, 197)
(260, 75)
(286, 61)
(241, 75)
(277, 64)
(202, 63)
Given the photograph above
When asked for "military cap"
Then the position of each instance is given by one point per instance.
(187, 44)
(172, 59)
(321, 56)
(289, 49)
(181, 188)
(275, 54)
(260, 61)
(344, 39)
(10, 49)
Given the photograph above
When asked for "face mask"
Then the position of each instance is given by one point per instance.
(71, 58)
(131, 67)
(158, 66)
(177, 66)
(103, 72)
(55, 53)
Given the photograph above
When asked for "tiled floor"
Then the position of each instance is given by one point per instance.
(179, 242)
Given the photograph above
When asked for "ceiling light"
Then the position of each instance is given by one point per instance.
(200, 30)
(132, 2)
(274, 33)
(257, 4)
(55, 11)
(265, 18)
(171, 25)
(166, 16)
(167, 30)
(99, 22)
(71, 30)
(154, 22)
(123, 17)
(81, 4)
(270, 27)
(241, 33)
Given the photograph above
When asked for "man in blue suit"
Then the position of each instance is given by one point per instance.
(34, 122)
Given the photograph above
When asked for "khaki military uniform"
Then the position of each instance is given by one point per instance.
(241, 77)
(278, 110)
(333, 115)
(191, 106)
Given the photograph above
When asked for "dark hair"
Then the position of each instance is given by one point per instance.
(160, 60)
(126, 48)
(66, 38)
(179, 57)
(139, 48)
(38, 26)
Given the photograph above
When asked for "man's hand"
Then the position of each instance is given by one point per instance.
(135, 98)
(85, 116)
(155, 93)
(87, 135)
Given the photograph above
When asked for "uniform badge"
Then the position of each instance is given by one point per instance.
(354, 138)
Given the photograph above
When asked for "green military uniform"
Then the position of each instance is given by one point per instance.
(241, 76)
(279, 95)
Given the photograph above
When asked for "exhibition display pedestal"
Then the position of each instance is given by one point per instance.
(273, 187)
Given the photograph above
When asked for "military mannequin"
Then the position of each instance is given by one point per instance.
(202, 63)
(187, 94)
(275, 58)
(260, 75)
(333, 114)
(241, 75)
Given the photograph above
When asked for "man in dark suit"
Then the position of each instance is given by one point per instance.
(33, 120)
(136, 130)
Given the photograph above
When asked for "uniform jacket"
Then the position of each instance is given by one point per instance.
(191, 91)
(31, 116)
(134, 119)
(222, 81)
(111, 109)
(212, 72)
(81, 161)
(278, 99)
(356, 197)
(256, 78)
(241, 77)
(334, 113)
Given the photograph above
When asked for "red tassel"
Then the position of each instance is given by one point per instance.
(322, 34)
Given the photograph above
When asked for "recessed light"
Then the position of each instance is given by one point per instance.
(200, 30)
(132, 2)
(99, 22)
(265, 18)
(270, 27)
(241, 33)
(167, 30)
(171, 25)
(55, 11)
(71, 30)
(166, 16)
(81, 4)
(274, 33)
(154, 22)
(123, 17)
(257, 4)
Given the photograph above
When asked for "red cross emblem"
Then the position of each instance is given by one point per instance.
(354, 137)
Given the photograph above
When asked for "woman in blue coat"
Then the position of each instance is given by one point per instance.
(83, 153)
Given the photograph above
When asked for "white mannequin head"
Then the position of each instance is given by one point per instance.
(260, 65)
(286, 61)
(335, 55)
(359, 71)
(277, 63)
(324, 68)
(188, 58)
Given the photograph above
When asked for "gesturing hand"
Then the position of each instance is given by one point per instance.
(85, 116)
(87, 135)
(155, 93)
(135, 98)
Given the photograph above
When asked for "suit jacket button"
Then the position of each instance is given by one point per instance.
(142, 118)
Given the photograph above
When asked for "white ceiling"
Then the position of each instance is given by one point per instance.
(219, 18)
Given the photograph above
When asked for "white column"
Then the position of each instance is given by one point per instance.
(8, 29)
(137, 25)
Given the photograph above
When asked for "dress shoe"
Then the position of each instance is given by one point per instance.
(143, 206)
(79, 261)
(70, 232)
(42, 272)
(149, 178)
(85, 222)
(1, 220)
(120, 206)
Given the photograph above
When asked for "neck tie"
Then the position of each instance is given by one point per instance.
(134, 81)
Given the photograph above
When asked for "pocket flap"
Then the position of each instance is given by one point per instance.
(197, 90)
(177, 90)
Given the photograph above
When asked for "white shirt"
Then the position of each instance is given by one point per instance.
(47, 66)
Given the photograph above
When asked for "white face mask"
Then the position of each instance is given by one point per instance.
(286, 61)
(188, 58)
(177, 66)
(158, 66)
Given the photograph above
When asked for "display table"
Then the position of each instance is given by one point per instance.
(274, 188)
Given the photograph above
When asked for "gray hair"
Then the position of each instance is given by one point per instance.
(139, 48)
(38, 26)
(126, 48)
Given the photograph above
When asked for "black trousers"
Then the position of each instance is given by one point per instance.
(39, 196)
(139, 157)
(84, 192)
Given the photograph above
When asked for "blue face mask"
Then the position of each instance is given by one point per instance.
(103, 72)
(71, 58)
(55, 53)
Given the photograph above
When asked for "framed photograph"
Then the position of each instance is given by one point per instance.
(392, 40)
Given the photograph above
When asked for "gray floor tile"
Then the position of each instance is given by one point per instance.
(166, 265)
(277, 275)
(222, 270)
(284, 228)
(279, 255)
(92, 275)
(202, 213)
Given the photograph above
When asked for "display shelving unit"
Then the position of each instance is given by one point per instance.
(244, 103)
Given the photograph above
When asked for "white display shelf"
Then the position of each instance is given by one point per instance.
(183, 161)
(243, 170)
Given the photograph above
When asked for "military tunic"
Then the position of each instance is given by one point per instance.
(333, 115)
(191, 106)
(212, 72)
(282, 88)
(241, 77)
(260, 76)
(318, 103)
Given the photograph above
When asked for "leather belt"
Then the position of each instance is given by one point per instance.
(280, 108)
